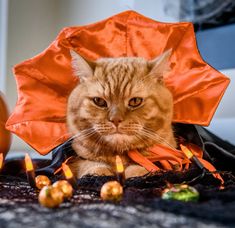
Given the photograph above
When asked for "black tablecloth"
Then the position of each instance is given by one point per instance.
(141, 206)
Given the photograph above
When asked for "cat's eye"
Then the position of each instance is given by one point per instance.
(135, 102)
(100, 102)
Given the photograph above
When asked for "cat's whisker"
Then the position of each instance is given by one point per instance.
(81, 135)
(85, 136)
(82, 131)
(155, 136)
(132, 130)
(141, 139)
(102, 129)
(96, 145)
(78, 136)
(131, 127)
(100, 139)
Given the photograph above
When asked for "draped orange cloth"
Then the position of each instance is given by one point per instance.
(45, 81)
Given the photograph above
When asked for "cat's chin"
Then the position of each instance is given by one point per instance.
(119, 140)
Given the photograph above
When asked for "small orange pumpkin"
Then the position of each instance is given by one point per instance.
(5, 135)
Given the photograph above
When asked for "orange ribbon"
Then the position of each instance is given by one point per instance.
(60, 168)
(170, 159)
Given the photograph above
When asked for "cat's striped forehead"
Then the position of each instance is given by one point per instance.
(120, 76)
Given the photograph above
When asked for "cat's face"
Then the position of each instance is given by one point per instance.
(120, 102)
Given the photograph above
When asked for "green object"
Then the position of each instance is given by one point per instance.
(182, 192)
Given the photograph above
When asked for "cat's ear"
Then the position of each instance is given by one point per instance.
(81, 67)
(160, 65)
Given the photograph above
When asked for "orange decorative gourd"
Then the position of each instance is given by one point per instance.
(5, 136)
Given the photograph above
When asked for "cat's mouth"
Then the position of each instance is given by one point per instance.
(117, 132)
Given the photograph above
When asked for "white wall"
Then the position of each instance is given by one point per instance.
(31, 28)
(223, 122)
(81, 12)
(3, 42)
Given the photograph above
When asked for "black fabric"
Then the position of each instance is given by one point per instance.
(219, 152)
(141, 206)
(42, 166)
(59, 155)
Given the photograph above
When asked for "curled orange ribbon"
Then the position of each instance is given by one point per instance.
(169, 159)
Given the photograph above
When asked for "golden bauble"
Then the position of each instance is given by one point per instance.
(111, 190)
(50, 196)
(65, 187)
(42, 181)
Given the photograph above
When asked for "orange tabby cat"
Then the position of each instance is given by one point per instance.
(121, 104)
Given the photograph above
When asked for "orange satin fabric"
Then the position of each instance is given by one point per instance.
(170, 159)
(45, 81)
(5, 136)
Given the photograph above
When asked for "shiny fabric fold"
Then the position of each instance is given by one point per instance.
(45, 81)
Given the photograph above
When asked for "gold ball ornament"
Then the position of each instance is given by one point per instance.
(50, 197)
(65, 187)
(42, 181)
(112, 191)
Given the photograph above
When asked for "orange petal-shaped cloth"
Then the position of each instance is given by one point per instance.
(5, 136)
(45, 81)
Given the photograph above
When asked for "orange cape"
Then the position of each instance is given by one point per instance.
(45, 81)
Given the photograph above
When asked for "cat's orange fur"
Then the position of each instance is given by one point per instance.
(101, 132)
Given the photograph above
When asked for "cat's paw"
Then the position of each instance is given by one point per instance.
(135, 171)
(98, 171)
(101, 171)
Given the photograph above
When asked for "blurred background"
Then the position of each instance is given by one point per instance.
(27, 27)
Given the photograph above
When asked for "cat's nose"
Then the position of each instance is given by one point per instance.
(116, 120)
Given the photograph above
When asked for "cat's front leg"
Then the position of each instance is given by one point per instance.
(87, 167)
(135, 171)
